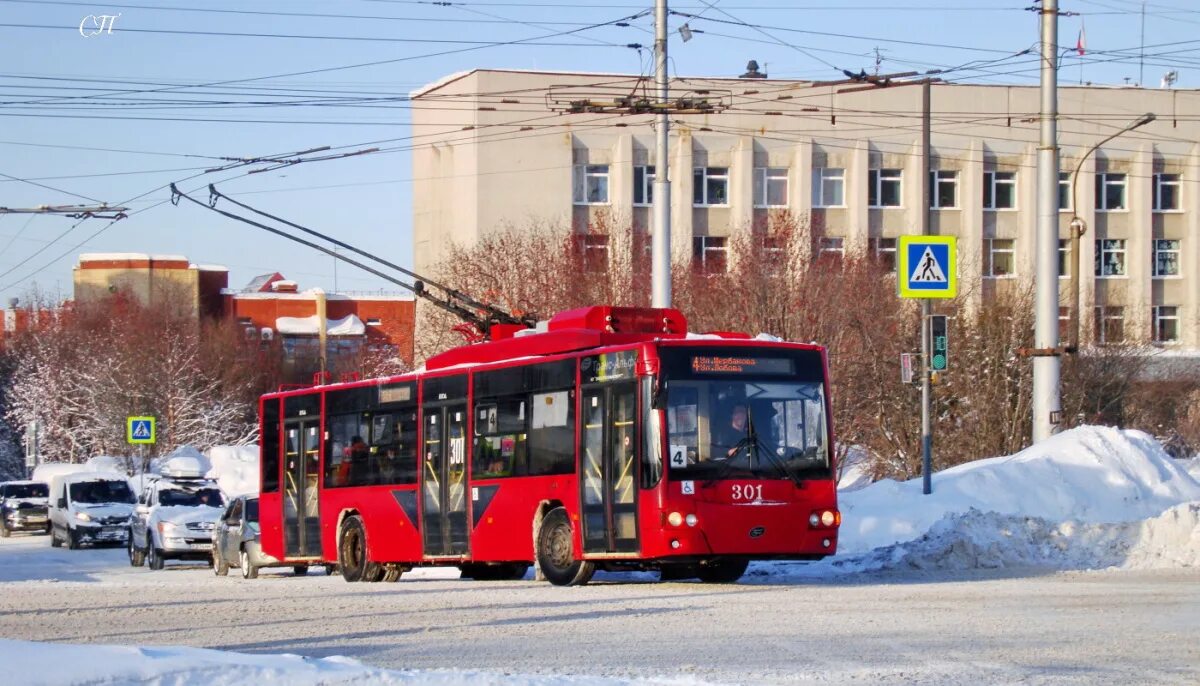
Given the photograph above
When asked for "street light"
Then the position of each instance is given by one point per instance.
(1078, 225)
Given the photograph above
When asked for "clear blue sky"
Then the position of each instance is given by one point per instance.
(58, 88)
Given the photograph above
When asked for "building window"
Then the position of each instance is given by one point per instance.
(1110, 324)
(1064, 323)
(1166, 323)
(829, 187)
(709, 254)
(374, 321)
(1000, 260)
(1110, 192)
(1110, 257)
(885, 253)
(943, 189)
(883, 187)
(1064, 257)
(1166, 192)
(999, 190)
(832, 250)
(1064, 191)
(1166, 258)
(591, 184)
(643, 185)
(710, 186)
(770, 187)
(593, 251)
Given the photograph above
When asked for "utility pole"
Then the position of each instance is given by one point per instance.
(926, 306)
(1047, 402)
(661, 248)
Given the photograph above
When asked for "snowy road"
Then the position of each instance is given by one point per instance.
(1080, 627)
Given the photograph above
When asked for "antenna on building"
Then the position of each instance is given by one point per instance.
(1169, 79)
(878, 60)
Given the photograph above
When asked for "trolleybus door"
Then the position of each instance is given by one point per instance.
(608, 472)
(301, 512)
(444, 481)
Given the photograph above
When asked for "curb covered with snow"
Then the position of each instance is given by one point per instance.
(28, 662)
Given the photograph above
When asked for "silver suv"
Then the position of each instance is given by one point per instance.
(174, 520)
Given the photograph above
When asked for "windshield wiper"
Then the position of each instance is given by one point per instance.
(761, 448)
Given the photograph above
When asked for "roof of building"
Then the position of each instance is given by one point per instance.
(128, 256)
(262, 282)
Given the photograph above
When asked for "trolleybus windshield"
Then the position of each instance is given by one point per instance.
(738, 413)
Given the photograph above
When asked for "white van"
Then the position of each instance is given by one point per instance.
(90, 507)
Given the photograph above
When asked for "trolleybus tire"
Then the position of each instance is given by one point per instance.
(219, 565)
(392, 573)
(556, 553)
(330, 570)
(723, 571)
(299, 570)
(352, 552)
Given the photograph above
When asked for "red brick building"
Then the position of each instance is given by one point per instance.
(272, 308)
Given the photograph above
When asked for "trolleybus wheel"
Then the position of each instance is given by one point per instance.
(723, 571)
(352, 553)
(299, 570)
(392, 573)
(555, 552)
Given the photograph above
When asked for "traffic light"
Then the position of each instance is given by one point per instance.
(940, 359)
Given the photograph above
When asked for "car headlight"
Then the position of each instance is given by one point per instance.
(167, 528)
(83, 516)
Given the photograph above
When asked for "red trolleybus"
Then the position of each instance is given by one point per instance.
(608, 439)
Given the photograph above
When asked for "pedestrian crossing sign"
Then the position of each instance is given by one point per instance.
(140, 429)
(927, 267)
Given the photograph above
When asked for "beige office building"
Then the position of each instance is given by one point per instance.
(496, 148)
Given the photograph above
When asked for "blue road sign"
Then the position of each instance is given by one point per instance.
(928, 267)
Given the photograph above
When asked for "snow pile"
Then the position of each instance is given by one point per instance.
(235, 467)
(988, 540)
(1193, 467)
(1089, 474)
(27, 662)
(854, 470)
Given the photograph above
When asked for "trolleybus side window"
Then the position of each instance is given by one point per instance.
(652, 466)
(270, 446)
(501, 441)
(552, 434)
(394, 448)
(347, 456)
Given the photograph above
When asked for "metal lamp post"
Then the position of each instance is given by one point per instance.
(1078, 225)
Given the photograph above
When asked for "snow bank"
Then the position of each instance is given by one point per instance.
(235, 467)
(1089, 474)
(27, 662)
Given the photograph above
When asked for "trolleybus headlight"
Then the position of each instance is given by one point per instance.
(827, 518)
(691, 520)
(814, 519)
(675, 519)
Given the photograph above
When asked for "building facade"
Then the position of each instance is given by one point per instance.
(507, 148)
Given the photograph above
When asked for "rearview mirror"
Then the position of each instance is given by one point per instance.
(62, 502)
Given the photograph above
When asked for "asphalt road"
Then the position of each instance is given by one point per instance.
(1118, 627)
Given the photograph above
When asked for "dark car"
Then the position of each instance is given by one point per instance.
(23, 507)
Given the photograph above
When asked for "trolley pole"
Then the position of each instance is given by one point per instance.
(661, 247)
(1047, 401)
(924, 184)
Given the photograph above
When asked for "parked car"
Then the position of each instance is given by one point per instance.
(235, 542)
(174, 518)
(89, 507)
(23, 507)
